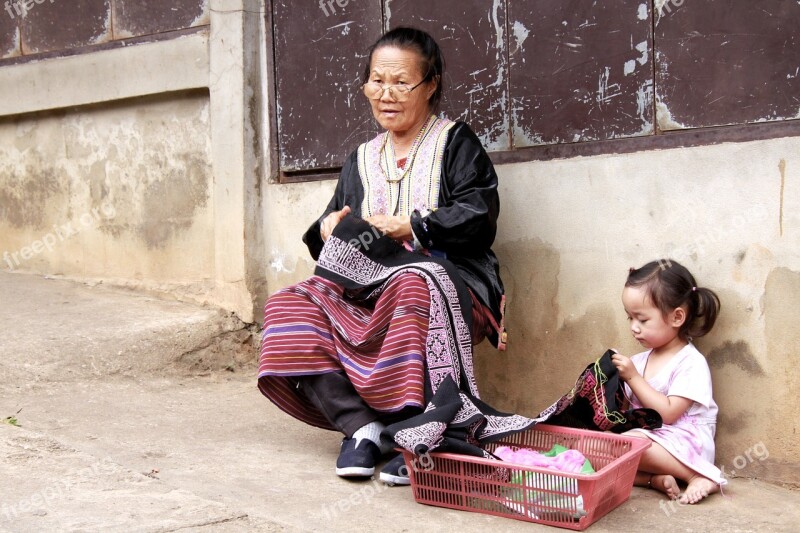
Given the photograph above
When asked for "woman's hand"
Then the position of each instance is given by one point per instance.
(330, 222)
(398, 228)
(624, 366)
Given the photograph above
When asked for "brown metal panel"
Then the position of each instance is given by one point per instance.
(64, 25)
(722, 62)
(581, 70)
(9, 32)
(144, 17)
(471, 34)
(320, 50)
(675, 139)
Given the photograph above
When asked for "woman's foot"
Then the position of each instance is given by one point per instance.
(666, 484)
(357, 458)
(699, 487)
(396, 472)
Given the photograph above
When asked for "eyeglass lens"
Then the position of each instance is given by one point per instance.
(375, 91)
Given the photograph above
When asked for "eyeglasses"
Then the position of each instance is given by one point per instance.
(399, 93)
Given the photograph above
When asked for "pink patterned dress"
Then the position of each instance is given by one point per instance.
(691, 438)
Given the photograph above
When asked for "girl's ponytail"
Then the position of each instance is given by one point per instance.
(703, 311)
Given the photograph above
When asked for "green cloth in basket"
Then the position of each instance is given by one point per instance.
(550, 495)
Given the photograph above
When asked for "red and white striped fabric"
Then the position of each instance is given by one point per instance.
(311, 328)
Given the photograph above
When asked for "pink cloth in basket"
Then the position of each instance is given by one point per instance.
(568, 461)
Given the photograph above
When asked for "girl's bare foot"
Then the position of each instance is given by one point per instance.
(699, 487)
(666, 484)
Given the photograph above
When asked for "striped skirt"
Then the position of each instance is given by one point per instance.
(312, 328)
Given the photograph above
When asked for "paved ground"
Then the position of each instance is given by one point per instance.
(142, 415)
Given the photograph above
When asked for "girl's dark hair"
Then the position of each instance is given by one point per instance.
(423, 44)
(670, 285)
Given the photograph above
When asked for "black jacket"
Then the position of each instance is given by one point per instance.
(463, 226)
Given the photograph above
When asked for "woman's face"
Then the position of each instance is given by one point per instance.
(395, 66)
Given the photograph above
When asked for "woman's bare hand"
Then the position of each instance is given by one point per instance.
(331, 221)
(398, 228)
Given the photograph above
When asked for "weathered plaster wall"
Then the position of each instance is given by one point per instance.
(112, 191)
(569, 231)
(288, 211)
(172, 132)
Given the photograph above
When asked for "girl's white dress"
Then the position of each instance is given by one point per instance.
(691, 438)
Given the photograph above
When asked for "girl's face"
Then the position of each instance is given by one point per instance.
(648, 325)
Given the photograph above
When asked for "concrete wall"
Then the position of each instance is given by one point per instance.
(571, 229)
(142, 165)
(114, 191)
(106, 177)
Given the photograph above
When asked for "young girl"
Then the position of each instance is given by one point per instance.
(666, 309)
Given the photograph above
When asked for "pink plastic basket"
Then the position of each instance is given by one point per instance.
(572, 501)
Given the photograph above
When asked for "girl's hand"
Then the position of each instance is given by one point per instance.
(624, 366)
(330, 222)
(398, 228)
(671, 408)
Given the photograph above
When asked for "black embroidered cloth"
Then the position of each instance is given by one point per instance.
(456, 422)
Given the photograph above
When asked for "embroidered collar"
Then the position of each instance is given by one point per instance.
(389, 190)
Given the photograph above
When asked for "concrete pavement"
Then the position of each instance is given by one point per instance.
(138, 414)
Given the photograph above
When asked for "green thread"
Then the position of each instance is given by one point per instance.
(615, 417)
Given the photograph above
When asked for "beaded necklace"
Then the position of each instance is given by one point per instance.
(391, 170)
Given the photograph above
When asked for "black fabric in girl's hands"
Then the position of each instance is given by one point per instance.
(598, 402)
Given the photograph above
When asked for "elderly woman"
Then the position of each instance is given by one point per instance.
(406, 280)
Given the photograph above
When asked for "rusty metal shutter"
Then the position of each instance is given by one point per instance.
(320, 51)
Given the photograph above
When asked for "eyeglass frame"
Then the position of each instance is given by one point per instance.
(384, 88)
